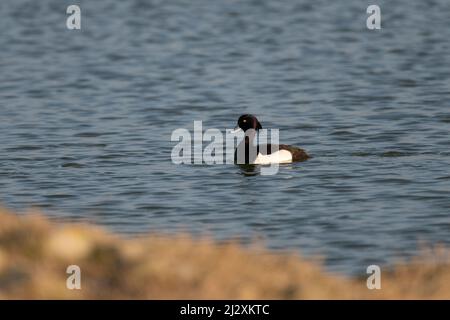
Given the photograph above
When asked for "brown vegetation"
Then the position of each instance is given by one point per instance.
(35, 253)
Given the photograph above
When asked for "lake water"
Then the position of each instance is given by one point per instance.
(86, 119)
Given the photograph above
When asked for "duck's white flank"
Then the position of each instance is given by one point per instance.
(281, 156)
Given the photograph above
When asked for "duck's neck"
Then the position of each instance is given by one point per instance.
(250, 137)
(248, 147)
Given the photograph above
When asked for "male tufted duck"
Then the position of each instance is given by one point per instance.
(281, 153)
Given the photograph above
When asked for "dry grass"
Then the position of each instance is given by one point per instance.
(35, 253)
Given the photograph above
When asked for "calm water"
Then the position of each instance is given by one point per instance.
(86, 119)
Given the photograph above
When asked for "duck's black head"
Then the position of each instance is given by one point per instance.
(248, 121)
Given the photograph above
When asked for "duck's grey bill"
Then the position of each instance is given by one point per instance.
(235, 130)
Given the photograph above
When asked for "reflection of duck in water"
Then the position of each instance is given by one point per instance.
(281, 153)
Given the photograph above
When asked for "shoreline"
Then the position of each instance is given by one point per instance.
(35, 254)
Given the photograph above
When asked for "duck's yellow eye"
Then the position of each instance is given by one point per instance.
(244, 120)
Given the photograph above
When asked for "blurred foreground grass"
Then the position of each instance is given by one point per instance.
(34, 255)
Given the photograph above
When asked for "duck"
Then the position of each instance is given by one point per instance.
(265, 154)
